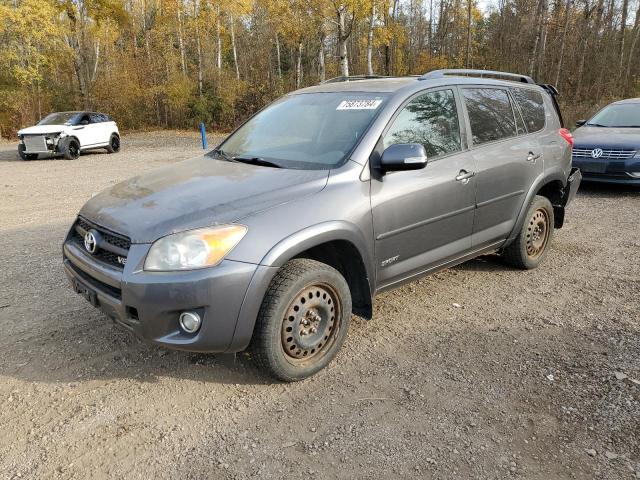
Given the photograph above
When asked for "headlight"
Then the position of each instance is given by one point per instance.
(637, 155)
(204, 247)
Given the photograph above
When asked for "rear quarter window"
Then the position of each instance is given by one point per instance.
(490, 114)
(532, 107)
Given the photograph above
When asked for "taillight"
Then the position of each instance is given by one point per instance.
(566, 134)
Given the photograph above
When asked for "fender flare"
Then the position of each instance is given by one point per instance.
(554, 175)
(287, 248)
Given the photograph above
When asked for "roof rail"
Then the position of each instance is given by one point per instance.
(477, 73)
(355, 77)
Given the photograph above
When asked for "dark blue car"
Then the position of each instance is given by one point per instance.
(607, 147)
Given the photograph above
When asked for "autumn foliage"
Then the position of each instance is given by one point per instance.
(175, 63)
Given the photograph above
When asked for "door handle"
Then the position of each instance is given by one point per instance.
(532, 157)
(465, 176)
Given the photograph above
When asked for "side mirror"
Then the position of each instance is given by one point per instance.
(580, 123)
(403, 156)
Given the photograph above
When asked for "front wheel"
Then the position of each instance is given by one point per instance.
(532, 244)
(303, 320)
(26, 156)
(71, 149)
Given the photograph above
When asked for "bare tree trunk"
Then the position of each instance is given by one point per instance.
(181, 40)
(278, 56)
(299, 66)
(199, 51)
(623, 27)
(634, 42)
(342, 41)
(218, 41)
(540, 14)
(468, 55)
(233, 46)
(321, 65)
(567, 16)
(370, 38)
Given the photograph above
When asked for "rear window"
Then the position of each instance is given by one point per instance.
(532, 108)
(490, 114)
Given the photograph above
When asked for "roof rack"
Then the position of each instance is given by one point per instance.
(355, 77)
(477, 73)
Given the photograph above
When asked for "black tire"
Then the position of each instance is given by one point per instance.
(71, 149)
(26, 156)
(114, 144)
(303, 320)
(530, 248)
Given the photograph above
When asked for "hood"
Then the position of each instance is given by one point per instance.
(42, 129)
(604, 137)
(196, 193)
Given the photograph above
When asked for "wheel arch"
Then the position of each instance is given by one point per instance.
(338, 244)
(551, 186)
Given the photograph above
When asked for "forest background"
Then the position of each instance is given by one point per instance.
(175, 63)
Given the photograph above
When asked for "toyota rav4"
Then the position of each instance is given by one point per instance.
(325, 198)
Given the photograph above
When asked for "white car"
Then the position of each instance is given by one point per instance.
(67, 134)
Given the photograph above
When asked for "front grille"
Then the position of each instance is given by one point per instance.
(112, 248)
(581, 153)
(35, 143)
(94, 282)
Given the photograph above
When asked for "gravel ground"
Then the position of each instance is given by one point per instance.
(480, 371)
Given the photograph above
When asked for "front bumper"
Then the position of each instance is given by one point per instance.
(149, 304)
(609, 171)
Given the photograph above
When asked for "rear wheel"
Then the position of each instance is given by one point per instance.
(71, 149)
(303, 320)
(26, 156)
(532, 244)
(114, 144)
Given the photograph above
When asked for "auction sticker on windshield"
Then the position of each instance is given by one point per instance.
(359, 104)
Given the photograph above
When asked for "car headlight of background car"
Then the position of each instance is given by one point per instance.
(637, 155)
(204, 247)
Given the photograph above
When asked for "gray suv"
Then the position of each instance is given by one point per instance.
(328, 196)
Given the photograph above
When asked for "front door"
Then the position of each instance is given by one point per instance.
(422, 218)
(507, 159)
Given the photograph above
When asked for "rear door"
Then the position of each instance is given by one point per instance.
(423, 217)
(99, 129)
(508, 161)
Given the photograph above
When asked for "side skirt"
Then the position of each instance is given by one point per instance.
(448, 264)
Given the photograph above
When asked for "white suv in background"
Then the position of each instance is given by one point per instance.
(67, 134)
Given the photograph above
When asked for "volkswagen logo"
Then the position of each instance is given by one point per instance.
(90, 242)
(596, 153)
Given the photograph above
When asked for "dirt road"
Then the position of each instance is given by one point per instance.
(480, 371)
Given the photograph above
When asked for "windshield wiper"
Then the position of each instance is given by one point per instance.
(256, 161)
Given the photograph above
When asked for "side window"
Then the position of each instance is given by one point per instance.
(490, 114)
(431, 120)
(519, 122)
(84, 120)
(96, 118)
(532, 108)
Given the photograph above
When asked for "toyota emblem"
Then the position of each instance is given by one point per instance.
(596, 153)
(90, 242)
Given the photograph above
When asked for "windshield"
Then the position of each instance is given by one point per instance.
(621, 115)
(306, 131)
(62, 118)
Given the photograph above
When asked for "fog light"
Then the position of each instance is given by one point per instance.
(190, 322)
